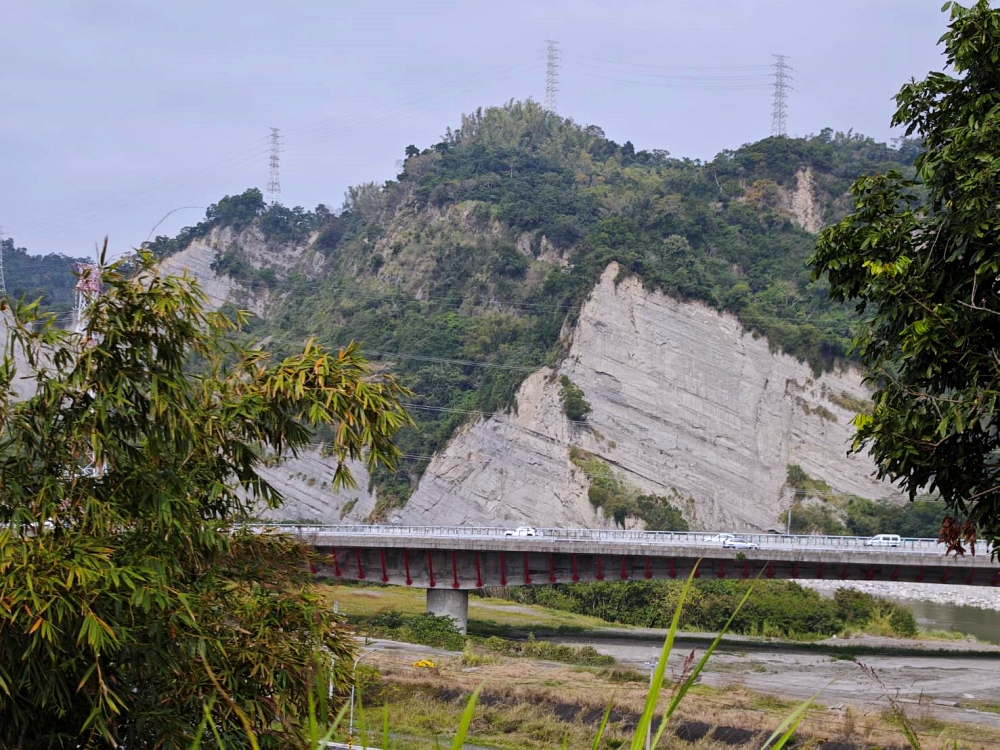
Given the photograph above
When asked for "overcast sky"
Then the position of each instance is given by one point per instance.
(115, 112)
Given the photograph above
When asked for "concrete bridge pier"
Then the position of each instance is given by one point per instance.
(453, 603)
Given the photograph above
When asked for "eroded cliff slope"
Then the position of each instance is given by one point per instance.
(684, 404)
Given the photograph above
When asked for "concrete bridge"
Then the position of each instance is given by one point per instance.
(448, 562)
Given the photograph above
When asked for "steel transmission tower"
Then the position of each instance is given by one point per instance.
(551, 75)
(781, 88)
(274, 181)
(88, 287)
(3, 281)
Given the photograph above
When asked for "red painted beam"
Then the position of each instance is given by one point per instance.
(361, 570)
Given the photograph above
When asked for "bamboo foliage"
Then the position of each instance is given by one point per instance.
(132, 601)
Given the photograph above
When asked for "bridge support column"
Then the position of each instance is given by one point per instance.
(453, 603)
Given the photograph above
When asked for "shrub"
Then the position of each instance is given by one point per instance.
(575, 406)
(425, 629)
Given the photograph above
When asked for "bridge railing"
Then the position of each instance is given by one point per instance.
(699, 538)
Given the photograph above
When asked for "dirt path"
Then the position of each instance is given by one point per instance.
(940, 684)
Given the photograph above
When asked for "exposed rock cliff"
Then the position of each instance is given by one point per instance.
(804, 204)
(246, 247)
(682, 400)
(305, 483)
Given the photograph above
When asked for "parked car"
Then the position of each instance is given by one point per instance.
(521, 531)
(884, 540)
(738, 542)
(719, 538)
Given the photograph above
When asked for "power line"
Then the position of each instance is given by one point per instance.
(304, 136)
(551, 74)
(701, 86)
(86, 213)
(678, 67)
(400, 296)
(445, 361)
(781, 86)
(697, 78)
(274, 179)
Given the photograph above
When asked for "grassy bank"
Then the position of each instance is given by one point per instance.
(486, 616)
(530, 705)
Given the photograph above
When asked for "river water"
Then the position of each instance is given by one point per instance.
(984, 624)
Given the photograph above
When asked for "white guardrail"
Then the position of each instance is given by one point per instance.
(697, 538)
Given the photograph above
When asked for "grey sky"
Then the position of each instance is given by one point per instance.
(117, 111)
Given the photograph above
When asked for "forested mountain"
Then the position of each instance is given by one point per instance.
(464, 271)
(49, 277)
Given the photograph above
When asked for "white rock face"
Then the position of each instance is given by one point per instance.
(805, 208)
(305, 482)
(682, 400)
(197, 259)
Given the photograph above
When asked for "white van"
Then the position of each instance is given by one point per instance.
(884, 540)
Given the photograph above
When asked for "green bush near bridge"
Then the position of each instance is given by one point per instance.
(777, 608)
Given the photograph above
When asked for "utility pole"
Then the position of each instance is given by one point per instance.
(551, 75)
(781, 87)
(274, 181)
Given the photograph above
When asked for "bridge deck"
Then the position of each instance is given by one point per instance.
(464, 558)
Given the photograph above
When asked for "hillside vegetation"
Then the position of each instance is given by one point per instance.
(49, 278)
(462, 272)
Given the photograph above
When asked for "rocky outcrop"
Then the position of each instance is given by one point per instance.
(805, 208)
(198, 257)
(306, 483)
(684, 401)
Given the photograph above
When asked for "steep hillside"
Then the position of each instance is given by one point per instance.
(488, 269)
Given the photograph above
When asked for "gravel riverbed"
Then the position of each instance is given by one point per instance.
(969, 596)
